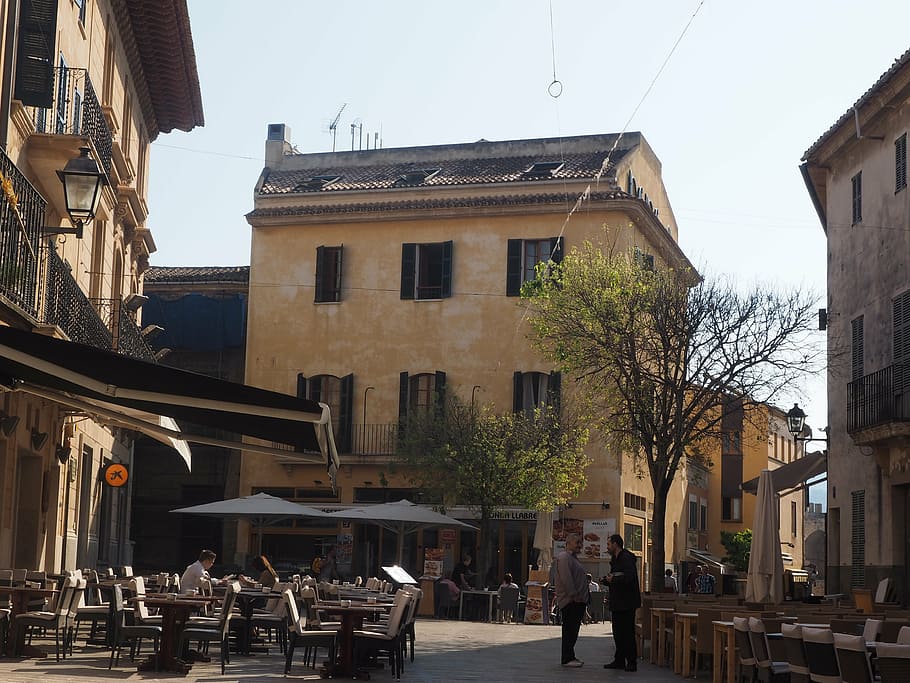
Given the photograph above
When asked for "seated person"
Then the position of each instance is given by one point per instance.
(198, 570)
(507, 582)
(447, 594)
(267, 576)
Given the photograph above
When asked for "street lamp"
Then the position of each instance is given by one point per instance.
(82, 183)
(796, 421)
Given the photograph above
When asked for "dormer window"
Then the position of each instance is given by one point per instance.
(416, 176)
(543, 169)
(317, 182)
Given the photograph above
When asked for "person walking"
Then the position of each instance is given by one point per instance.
(571, 597)
(625, 598)
(670, 582)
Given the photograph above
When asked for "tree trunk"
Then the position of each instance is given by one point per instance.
(658, 537)
(483, 549)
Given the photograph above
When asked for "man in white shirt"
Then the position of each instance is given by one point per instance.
(197, 571)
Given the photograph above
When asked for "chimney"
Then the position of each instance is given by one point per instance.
(277, 144)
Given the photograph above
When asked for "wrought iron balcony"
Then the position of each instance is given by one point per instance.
(127, 338)
(76, 111)
(22, 210)
(67, 307)
(374, 439)
(879, 399)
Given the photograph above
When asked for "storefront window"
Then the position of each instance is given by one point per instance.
(633, 538)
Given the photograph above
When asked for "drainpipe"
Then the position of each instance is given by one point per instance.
(9, 68)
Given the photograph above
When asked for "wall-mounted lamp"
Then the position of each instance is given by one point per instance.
(318, 482)
(133, 302)
(82, 183)
(796, 421)
(151, 331)
(38, 439)
(162, 352)
(8, 423)
(605, 505)
(62, 453)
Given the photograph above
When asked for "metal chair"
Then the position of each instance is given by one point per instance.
(56, 619)
(796, 652)
(852, 658)
(747, 666)
(893, 662)
(217, 634)
(820, 655)
(768, 669)
(121, 634)
(305, 631)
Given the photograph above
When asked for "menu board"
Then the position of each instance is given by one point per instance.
(432, 562)
(594, 538)
(564, 527)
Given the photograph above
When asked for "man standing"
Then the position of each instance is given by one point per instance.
(571, 597)
(625, 598)
(706, 581)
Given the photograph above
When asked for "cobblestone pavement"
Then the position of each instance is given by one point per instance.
(447, 652)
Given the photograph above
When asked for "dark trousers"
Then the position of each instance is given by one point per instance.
(572, 615)
(624, 635)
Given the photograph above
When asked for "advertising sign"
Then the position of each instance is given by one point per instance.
(594, 538)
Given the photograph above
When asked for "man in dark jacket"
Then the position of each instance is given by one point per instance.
(625, 598)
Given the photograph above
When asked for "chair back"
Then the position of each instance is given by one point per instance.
(508, 598)
(743, 641)
(759, 643)
(128, 571)
(795, 650)
(852, 658)
(118, 616)
(820, 655)
(19, 576)
(893, 662)
(290, 605)
(137, 586)
(358, 580)
(230, 597)
(872, 629)
(704, 630)
(881, 591)
(396, 616)
(903, 636)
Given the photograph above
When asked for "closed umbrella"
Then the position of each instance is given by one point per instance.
(543, 539)
(259, 510)
(764, 582)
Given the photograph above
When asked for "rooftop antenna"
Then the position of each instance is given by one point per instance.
(356, 126)
(333, 126)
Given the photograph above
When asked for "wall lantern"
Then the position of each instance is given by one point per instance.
(82, 183)
(796, 420)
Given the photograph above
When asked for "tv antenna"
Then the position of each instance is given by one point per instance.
(333, 126)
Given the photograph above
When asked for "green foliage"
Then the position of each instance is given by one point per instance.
(738, 545)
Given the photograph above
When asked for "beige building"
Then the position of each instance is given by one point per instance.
(380, 278)
(77, 74)
(856, 175)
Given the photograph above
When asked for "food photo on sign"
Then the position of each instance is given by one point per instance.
(594, 538)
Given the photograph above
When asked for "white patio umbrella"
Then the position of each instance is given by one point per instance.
(402, 517)
(764, 582)
(543, 539)
(259, 510)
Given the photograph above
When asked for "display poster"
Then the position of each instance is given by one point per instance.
(564, 527)
(447, 536)
(344, 550)
(433, 559)
(594, 538)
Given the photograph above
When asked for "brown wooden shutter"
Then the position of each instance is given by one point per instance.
(857, 352)
(517, 393)
(35, 56)
(346, 410)
(446, 269)
(301, 385)
(320, 271)
(403, 396)
(408, 270)
(513, 267)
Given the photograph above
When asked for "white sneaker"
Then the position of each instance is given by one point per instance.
(574, 664)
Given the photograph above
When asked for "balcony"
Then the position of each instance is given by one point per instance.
(374, 439)
(67, 307)
(22, 211)
(127, 338)
(878, 406)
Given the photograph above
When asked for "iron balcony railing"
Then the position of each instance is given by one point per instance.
(879, 398)
(67, 307)
(76, 111)
(374, 439)
(22, 210)
(127, 338)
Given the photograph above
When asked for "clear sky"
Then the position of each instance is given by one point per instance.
(748, 89)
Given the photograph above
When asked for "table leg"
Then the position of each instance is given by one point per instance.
(677, 647)
(460, 604)
(731, 656)
(662, 640)
(718, 651)
(684, 647)
(653, 641)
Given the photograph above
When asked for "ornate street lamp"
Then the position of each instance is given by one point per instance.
(796, 420)
(82, 184)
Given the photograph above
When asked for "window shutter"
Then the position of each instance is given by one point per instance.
(556, 249)
(517, 393)
(320, 268)
(857, 352)
(513, 268)
(346, 418)
(447, 269)
(440, 388)
(35, 56)
(554, 391)
(900, 163)
(402, 397)
(731, 476)
(301, 385)
(315, 388)
(339, 255)
(858, 540)
(408, 270)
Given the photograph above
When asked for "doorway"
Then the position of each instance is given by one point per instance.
(28, 510)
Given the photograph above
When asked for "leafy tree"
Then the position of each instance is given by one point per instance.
(657, 353)
(462, 454)
(738, 544)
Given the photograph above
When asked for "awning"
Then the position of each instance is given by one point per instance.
(793, 474)
(134, 390)
(702, 557)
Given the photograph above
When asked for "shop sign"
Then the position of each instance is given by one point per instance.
(447, 536)
(116, 474)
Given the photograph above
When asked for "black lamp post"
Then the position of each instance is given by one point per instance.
(82, 184)
(796, 420)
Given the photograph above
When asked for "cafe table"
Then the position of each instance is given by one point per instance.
(174, 614)
(351, 617)
(19, 597)
(659, 616)
(682, 634)
(724, 639)
(489, 595)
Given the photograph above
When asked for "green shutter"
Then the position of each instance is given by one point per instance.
(408, 270)
(513, 268)
(446, 269)
(35, 56)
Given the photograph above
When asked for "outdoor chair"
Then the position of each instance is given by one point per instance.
(218, 633)
(701, 643)
(409, 630)
(872, 629)
(820, 655)
(445, 603)
(57, 619)
(274, 616)
(387, 641)
(508, 603)
(796, 652)
(893, 662)
(768, 669)
(852, 658)
(597, 606)
(4, 627)
(141, 612)
(903, 636)
(121, 634)
(305, 632)
(747, 667)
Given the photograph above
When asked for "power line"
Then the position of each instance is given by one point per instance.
(205, 151)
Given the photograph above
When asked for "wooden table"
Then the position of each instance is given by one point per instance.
(682, 634)
(19, 597)
(659, 617)
(174, 614)
(724, 637)
(351, 617)
(487, 594)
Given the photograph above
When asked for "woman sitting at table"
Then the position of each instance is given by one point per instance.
(268, 577)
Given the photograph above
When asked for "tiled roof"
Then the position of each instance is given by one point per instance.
(481, 163)
(165, 274)
(899, 63)
(430, 203)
